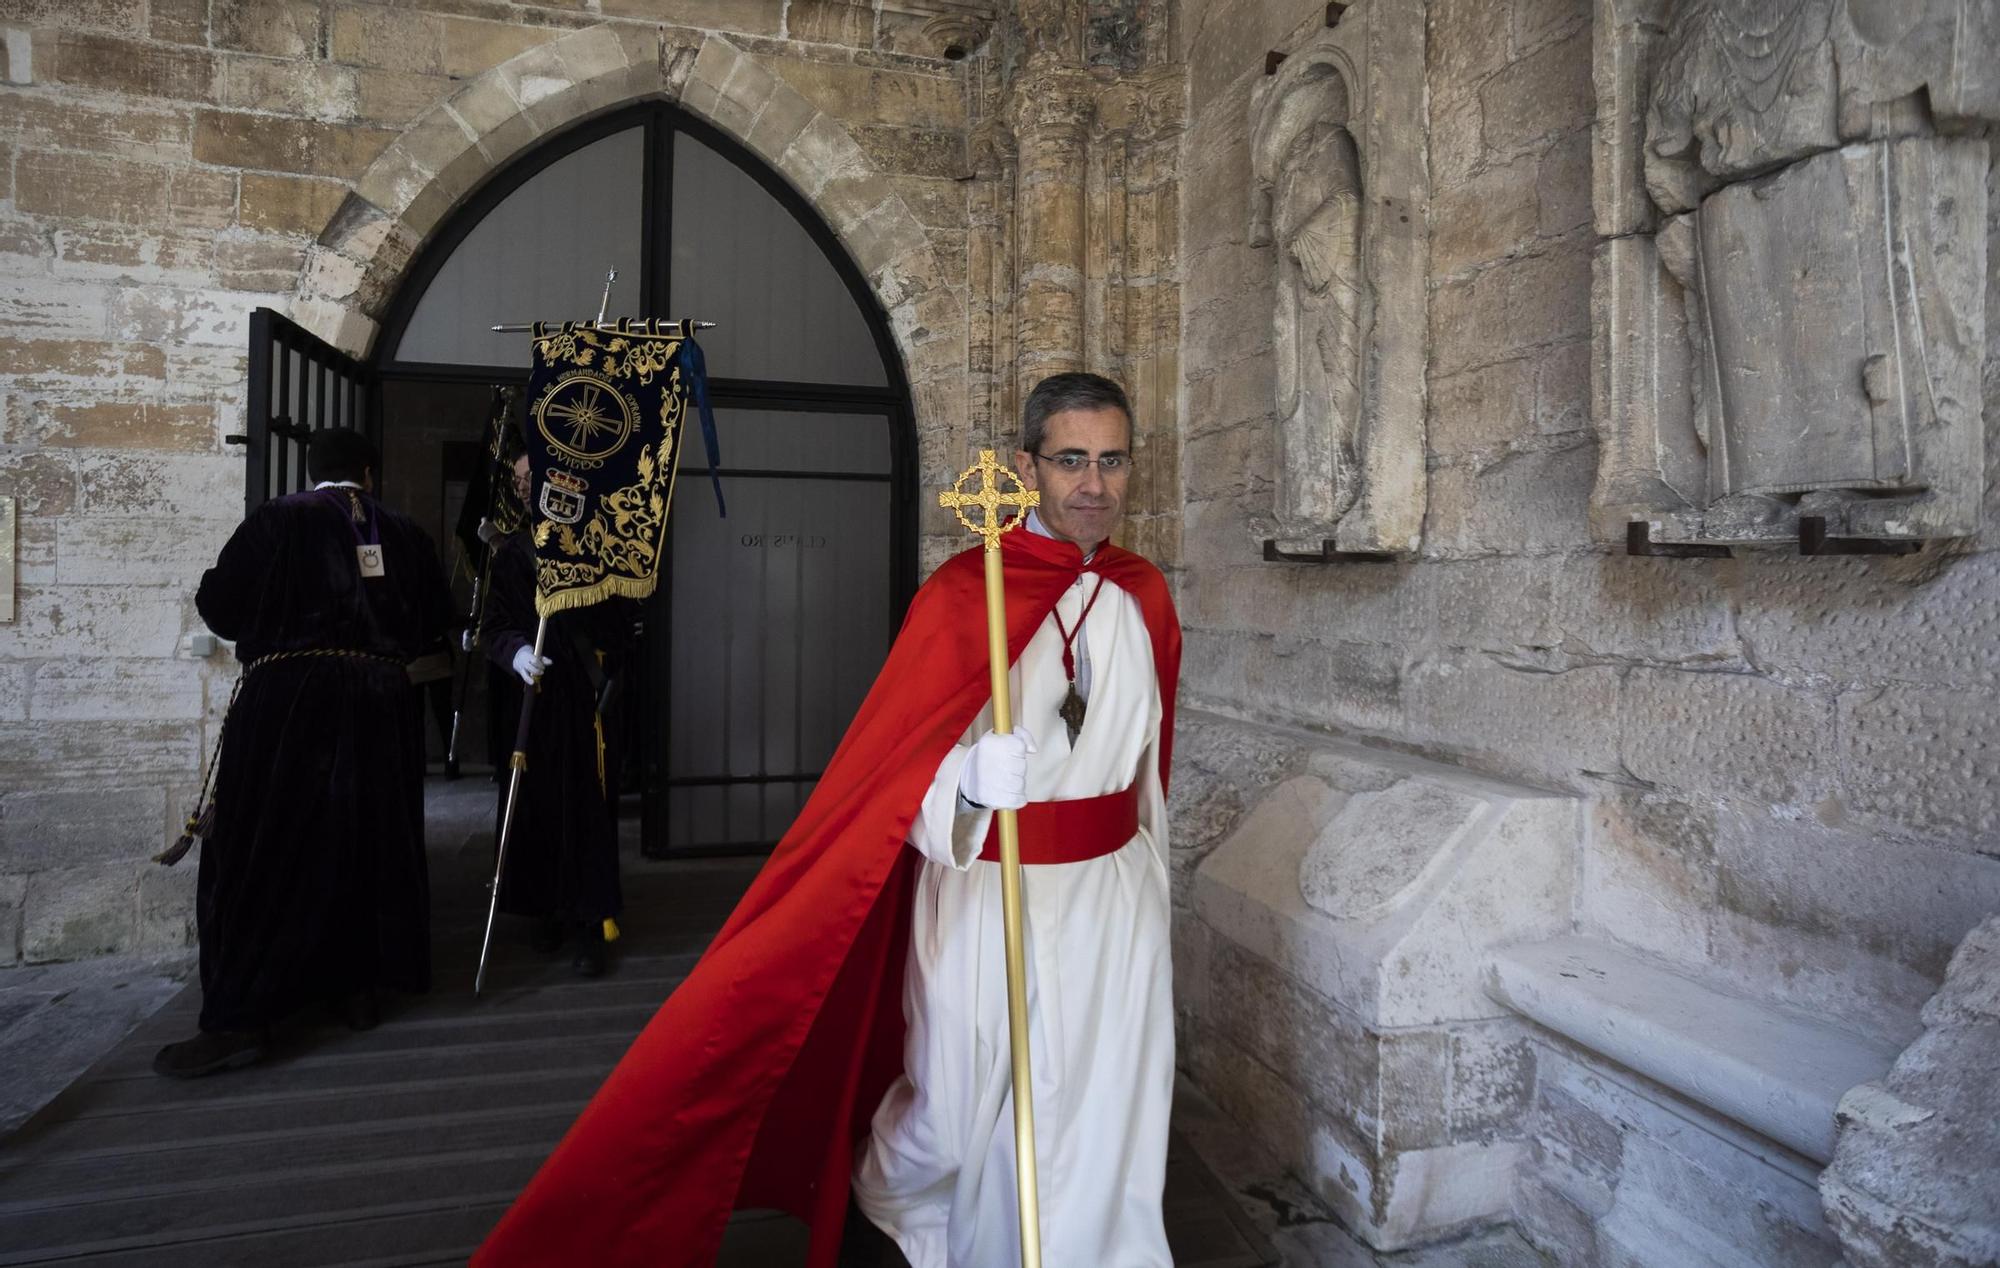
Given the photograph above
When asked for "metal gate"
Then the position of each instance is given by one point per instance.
(299, 384)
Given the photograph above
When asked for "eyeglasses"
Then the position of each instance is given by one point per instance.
(1111, 464)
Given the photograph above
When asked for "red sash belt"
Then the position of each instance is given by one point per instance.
(1071, 831)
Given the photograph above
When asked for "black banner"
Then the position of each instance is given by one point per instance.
(607, 411)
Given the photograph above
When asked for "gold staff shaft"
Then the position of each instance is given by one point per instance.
(989, 500)
(1010, 912)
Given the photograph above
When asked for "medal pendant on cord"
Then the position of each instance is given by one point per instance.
(1073, 707)
(1072, 712)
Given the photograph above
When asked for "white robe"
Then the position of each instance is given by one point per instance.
(937, 1172)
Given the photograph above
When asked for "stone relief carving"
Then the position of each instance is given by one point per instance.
(1115, 34)
(1340, 188)
(1791, 315)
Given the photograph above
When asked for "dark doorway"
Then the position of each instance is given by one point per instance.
(767, 627)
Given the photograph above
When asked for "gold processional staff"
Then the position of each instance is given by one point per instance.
(988, 499)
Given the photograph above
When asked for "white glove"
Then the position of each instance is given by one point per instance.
(529, 665)
(995, 775)
(487, 530)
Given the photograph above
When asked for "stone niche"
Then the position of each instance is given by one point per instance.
(1330, 965)
(1341, 189)
(1790, 291)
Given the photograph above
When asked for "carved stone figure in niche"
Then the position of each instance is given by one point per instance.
(1316, 209)
(1803, 333)
(1339, 193)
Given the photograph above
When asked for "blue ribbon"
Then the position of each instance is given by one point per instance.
(697, 366)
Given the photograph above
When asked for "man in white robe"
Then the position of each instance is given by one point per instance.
(937, 1171)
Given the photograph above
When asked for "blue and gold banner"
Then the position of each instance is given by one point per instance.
(607, 410)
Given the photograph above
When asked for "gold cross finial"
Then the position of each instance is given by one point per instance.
(989, 499)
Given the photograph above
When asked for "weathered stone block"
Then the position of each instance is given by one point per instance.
(1725, 732)
(278, 28)
(166, 921)
(1649, 874)
(73, 912)
(831, 22)
(396, 98)
(1562, 185)
(288, 204)
(1858, 623)
(1524, 722)
(1492, 1080)
(278, 144)
(103, 752)
(1924, 758)
(1468, 42)
(186, 485)
(134, 130)
(94, 690)
(44, 364)
(1544, 94)
(1510, 309)
(315, 90)
(111, 425)
(1820, 889)
(403, 39)
(55, 621)
(1487, 217)
(125, 66)
(472, 46)
(866, 94)
(81, 186)
(40, 830)
(1528, 499)
(1457, 141)
(163, 315)
(1676, 611)
(13, 693)
(13, 888)
(255, 263)
(753, 17)
(141, 550)
(41, 484)
(1482, 410)
(133, 253)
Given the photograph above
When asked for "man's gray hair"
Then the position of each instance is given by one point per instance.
(1060, 392)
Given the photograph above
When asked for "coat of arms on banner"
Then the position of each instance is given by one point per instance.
(607, 410)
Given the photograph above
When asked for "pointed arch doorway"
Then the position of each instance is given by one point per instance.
(768, 626)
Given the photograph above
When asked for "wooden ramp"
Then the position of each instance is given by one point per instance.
(402, 1146)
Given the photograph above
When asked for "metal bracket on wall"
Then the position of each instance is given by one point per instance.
(1326, 554)
(1814, 541)
(1639, 541)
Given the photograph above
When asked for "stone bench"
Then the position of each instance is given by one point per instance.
(1778, 1072)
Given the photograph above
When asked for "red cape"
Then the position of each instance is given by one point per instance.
(757, 1078)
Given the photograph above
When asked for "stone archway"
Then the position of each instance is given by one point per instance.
(409, 190)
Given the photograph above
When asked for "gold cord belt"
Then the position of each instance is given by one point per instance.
(323, 651)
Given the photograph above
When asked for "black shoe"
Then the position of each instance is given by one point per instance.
(548, 935)
(590, 957)
(361, 1011)
(209, 1052)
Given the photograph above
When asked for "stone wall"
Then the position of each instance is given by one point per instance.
(168, 165)
(1785, 752)
(1785, 758)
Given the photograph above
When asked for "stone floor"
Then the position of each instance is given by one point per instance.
(401, 1146)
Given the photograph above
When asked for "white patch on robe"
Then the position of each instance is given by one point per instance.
(937, 1172)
